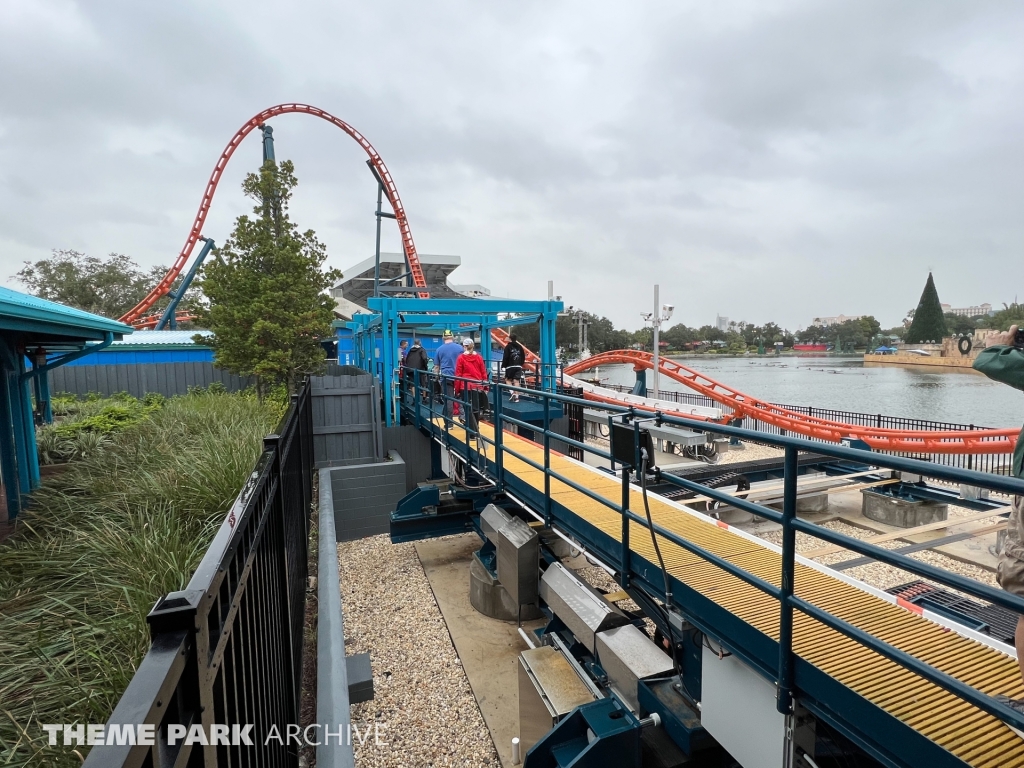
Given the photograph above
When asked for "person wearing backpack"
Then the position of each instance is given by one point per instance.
(416, 360)
(512, 361)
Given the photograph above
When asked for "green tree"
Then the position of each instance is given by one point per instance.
(1010, 314)
(929, 323)
(108, 287)
(959, 325)
(267, 289)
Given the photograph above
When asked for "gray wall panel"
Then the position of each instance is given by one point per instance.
(138, 379)
(414, 449)
(345, 419)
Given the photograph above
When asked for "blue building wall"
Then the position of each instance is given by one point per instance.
(113, 356)
(346, 347)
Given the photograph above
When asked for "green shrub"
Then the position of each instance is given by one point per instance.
(99, 544)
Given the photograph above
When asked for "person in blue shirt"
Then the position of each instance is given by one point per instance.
(446, 357)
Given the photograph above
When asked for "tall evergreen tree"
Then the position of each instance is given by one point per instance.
(267, 289)
(929, 323)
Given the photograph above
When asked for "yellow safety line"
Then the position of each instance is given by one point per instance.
(974, 736)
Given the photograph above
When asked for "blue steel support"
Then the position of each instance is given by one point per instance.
(624, 566)
(8, 447)
(376, 258)
(784, 696)
(29, 425)
(499, 438)
(167, 319)
(13, 370)
(108, 339)
(268, 143)
(548, 348)
(42, 385)
(547, 462)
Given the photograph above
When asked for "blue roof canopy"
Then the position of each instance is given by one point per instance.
(29, 319)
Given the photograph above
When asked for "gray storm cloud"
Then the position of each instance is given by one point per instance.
(759, 160)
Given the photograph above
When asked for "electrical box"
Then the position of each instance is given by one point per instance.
(623, 444)
(738, 710)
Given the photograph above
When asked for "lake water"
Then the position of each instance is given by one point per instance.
(847, 384)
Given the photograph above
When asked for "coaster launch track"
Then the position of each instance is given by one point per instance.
(896, 440)
(136, 316)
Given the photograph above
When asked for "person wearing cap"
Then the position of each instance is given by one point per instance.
(445, 358)
(470, 365)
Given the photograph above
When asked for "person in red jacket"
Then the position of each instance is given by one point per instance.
(470, 365)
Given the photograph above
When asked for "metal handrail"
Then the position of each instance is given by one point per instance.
(790, 525)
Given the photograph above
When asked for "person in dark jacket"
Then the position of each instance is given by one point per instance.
(512, 361)
(1003, 362)
(416, 360)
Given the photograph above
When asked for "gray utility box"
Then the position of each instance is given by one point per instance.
(518, 553)
(581, 607)
(519, 561)
(900, 511)
(549, 689)
(491, 519)
(627, 655)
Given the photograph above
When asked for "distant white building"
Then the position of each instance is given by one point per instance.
(721, 322)
(837, 320)
(947, 309)
(473, 290)
(981, 309)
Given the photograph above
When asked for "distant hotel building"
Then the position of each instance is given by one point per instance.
(722, 322)
(837, 320)
(978, 311)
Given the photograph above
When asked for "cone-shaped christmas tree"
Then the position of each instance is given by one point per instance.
(929, 323)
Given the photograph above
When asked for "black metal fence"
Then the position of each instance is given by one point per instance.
(226, 651)
(983, 462)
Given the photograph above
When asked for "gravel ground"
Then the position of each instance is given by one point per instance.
(423, 701)
(880, 575)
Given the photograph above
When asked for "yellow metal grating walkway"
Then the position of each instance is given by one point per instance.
(972, 735)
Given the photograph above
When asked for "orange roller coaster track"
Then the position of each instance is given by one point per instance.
(136, 315)
(896, 440)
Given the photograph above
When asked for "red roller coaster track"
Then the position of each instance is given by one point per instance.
(136, 314)
(897, 440)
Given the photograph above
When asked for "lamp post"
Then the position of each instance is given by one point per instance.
(662, 314)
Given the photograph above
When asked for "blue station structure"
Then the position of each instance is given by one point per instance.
(376, 334)
(36, 336)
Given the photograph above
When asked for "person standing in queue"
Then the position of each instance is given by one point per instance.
(512, 361)
(416, 360)
(1002, 360)
(471, 365)
(445, 358)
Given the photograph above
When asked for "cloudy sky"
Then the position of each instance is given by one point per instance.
(762, 160)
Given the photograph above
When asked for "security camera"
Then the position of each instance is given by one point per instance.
(647, 316)
(669, 308)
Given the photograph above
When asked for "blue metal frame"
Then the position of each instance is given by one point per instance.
(880, 734)
(390, 314)
(167, 319)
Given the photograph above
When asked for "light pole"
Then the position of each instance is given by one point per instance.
(662, 314)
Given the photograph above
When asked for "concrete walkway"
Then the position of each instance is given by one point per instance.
(488, 648)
